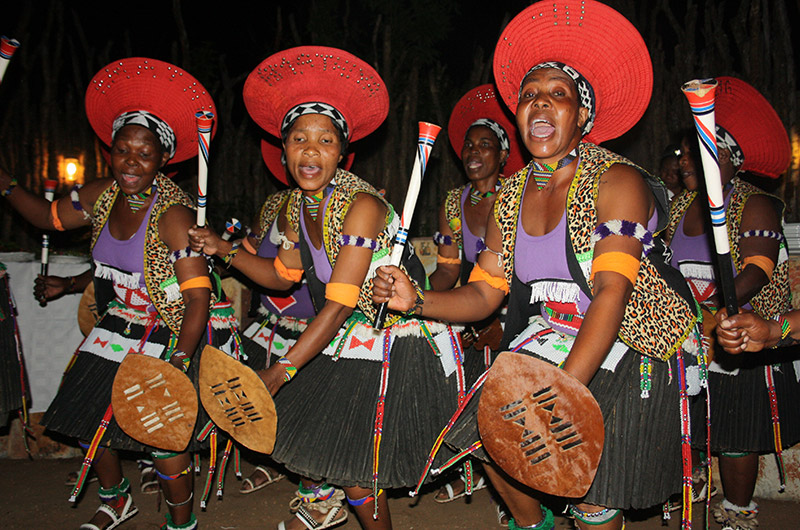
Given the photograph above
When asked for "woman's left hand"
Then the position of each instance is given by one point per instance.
(745, 332)
(273, 378)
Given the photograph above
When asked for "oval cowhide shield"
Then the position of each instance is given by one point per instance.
(154, 402)
(541, 425)
(237, 401)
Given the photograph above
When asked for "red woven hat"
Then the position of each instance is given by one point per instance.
(590, 37)
(481, 102)
(162, 89)
(316, 74)
(272, 152)
(742, 111)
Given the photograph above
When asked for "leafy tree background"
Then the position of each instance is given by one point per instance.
(429, 53)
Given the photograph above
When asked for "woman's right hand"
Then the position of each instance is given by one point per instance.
(205, 240)
(273, 378)
(392, 285)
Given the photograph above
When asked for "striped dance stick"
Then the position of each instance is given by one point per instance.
(7, 49)
(427, 137)
(49, 193)
(700, 94)
(205, 120)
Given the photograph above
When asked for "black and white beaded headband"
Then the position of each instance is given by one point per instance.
(585, 90)
(162, 130)
(727, 141)
(315, 107)
(496, 128)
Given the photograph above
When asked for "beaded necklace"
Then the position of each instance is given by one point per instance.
(475, 196)
(312, 202)
(543, 172)
(137, 200)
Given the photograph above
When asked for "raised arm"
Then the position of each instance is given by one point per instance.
(448, 261)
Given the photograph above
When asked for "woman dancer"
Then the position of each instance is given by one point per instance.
(343, 416)
(558, 240)
(154, 292)
(740, 386)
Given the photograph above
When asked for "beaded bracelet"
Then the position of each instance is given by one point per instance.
(71, 288)
(786, 330)
(291, 370)
(180, 355)
(419, 300)
(228, 259)
(11, 185)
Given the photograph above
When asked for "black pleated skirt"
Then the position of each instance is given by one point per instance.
(741, 417)
(327, 413)
(85, 392)
(641, 463)
(12, 372)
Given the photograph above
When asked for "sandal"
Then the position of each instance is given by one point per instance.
(128, 511)
(149, 482)
(323, 492)
(451, 495)
(501, 514)
(270, 479)
(333, 510)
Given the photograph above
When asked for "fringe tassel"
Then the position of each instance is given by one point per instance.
(106, 272)
(87, 460)
(555, 291)
(222, 468)
(197, 463)
(466, 452)
(776, 427)
(212, 467)
(26, 424)
(379, 410)
(237, 462)
(686, 446)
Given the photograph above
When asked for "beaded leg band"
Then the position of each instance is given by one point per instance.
(114, 493)
(363, 500)
(547, 523)
(169, 525)
(606, 515)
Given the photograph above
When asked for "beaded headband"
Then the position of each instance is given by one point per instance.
(585, 90)
(162, 130)
(315, 107)
(496, 128)
(727, 141)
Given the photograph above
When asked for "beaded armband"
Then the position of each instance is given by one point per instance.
(621, 227)
(228, 259)
(11, 185)
(76, 202)
(441, 239)
(358, 241)
(769, 234)
(184, 253)
(291, 370)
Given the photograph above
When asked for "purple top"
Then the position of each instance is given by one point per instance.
(322, 264)
(470, 240)
(295, 302)
(541, 263)
(123, 263)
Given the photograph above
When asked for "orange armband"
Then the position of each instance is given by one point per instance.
(292, 275)
(447, 261)
(54, 214)
(196, 282)
(342, 293)
(762, 262)
(480, 275)
(248, 246)
(618, 262)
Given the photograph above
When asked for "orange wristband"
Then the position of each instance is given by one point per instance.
(293, 275)
(196, 282)
(248, 246)
(447, 261)
(480, 275)
(54, 214)
(618, 262)
(762, 262)
(342, 293)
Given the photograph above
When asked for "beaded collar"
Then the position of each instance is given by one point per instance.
(543, 172)
(137, 200)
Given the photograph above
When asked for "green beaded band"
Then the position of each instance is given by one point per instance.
(547, 523)
(11, 185)
(786, 330)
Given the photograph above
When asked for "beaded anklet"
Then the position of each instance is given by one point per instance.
(604, 516)
(547, 523)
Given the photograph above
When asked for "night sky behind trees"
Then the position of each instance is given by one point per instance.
(429, 52)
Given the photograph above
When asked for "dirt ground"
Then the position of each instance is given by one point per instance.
(33, 495)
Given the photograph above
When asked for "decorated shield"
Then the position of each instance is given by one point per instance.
(237, 401)
(541, 425)
(154, 402)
